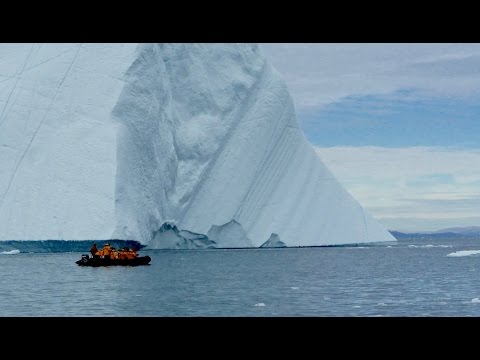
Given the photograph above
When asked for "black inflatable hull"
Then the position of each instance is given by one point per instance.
(141, 260)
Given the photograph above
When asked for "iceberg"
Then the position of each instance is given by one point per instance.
(172, 145)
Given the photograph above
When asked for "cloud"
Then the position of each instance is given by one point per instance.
(436, 186)
(393, 95)
(319, 74)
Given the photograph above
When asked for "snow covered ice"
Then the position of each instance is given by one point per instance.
(173, 145)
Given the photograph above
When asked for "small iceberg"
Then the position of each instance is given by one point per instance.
(11, 252)
(464, 253)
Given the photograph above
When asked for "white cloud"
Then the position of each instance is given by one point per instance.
(319, 74)
(414, 188)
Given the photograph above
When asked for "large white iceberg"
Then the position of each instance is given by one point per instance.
(173, 145)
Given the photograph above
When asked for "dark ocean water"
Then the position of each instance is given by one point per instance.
(409, 278)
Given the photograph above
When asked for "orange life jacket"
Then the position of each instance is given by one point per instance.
(106, 250)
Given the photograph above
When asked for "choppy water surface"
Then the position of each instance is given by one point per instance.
(422, 278)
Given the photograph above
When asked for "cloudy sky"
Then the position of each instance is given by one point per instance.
(398, 124)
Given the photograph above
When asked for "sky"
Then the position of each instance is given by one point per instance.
(398, 125)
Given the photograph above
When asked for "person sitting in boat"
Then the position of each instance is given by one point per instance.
(131, 254)
(113, 253)
(94, 250)
(122, 254)
(106, 250)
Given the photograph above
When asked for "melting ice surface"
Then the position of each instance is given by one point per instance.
(377, 280)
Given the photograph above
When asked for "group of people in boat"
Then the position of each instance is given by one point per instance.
(109, 252)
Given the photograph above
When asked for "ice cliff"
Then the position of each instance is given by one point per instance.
(173, 145)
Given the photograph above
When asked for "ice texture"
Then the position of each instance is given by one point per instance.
(172, 145)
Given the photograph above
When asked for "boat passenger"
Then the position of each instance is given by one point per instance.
(106, 250)
(131, 254)
(122, 254)
(93, 250)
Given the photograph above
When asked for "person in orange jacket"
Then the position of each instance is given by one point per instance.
(106, 251)
(93, 250)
